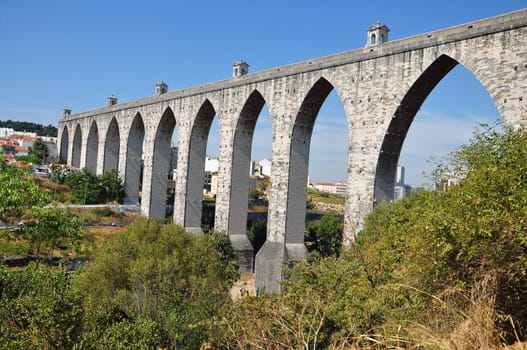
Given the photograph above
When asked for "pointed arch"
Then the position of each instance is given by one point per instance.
(64, 141)
(112, 147)
(196, 164)
(161, 163)
(241, 160)
(400, 124)
(299, 159)
(134, 159)
(92, 147)
(77, 145)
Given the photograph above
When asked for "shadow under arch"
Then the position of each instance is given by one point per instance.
(299, 166)
(77, 145)
(134, 159)
(400, 124)
(112, 147)
(161, 163)
(196, 166)
(64, 140)
(241, 160)
(92, 147)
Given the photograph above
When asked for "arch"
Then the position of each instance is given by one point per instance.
(241, 160)
(161, 164)
(64, 141)
(299, 159)
(111, 147)
(196, 165)
(134, 159)
(92, 147)
(400, 124)
(77, 145)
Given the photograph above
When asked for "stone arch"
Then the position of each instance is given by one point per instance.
(299, 159)
(196, 165)
(77, 145)
(92, 147)
(134, 159)
(161, 163)
(112, 146)
(64, 141)
(400, 123)
(241, 159)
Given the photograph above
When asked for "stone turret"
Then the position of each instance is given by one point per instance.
(240, 68)
(161, 88)
(377, 34)
(111, 100)
(66, 112)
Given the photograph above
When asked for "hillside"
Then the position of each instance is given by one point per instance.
(39, 129)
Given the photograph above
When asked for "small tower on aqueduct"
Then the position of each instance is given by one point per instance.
(240, 68)
(377, 34)
(161, 88)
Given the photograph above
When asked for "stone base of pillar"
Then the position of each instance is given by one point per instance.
(268, 267)
(244, 251)
(195, 230)
(295, 252)
(131, 200)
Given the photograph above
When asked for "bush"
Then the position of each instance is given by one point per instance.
(88, 188)
(156, 273)
(438, 269)
(325, 235)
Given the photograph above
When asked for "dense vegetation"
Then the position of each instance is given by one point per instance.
(88, 188)
(438, 270)
(39, 129)
(28, 208)
(149, 287)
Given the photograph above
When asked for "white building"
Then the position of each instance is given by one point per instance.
(5, 132)
(265, 167)
(329, 187)
(212, 164)
(400, 190)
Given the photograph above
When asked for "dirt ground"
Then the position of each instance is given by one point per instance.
(244, 286)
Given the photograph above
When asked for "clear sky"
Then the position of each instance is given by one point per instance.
(59, 53)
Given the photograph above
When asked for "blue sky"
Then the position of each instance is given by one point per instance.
(72, 53)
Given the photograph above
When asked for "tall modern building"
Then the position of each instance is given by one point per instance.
(399, 190)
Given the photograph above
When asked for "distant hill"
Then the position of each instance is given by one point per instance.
(39, 129)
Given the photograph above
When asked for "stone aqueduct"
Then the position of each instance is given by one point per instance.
(381, 88)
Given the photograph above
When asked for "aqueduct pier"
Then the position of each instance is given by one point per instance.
(381, 87)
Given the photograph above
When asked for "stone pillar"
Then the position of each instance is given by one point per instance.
(273, 254)
(100, 156)
(84, 145)
(148, 158)
(233, 192)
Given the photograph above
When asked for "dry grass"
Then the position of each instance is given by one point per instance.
(243, 287)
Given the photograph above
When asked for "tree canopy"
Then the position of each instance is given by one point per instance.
(88, 188)
(39, 129)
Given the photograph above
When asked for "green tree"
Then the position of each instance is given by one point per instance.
(326, 234)
(18, 194)
(156, 273)
(51, 227)
(112, 187)
(39, 150)
(38, 309)
(88, 188)
(257, 234)
(85, 186)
